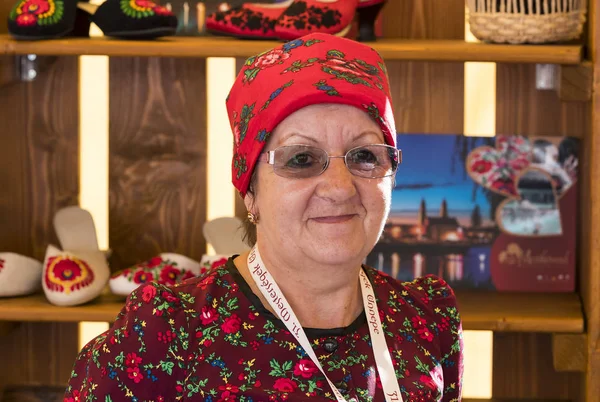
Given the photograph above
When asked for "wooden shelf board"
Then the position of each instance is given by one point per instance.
(521, 312)
(37, 308)
(480, 311)
(391, 49)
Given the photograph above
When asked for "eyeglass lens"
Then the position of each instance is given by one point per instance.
(302, 161)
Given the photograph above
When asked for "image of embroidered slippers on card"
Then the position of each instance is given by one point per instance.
(19, 275)
(535, 211)
(77, 272)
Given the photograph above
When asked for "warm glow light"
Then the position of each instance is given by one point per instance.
(93, 155)
(220, 74)
(480, 96)
(479, 120)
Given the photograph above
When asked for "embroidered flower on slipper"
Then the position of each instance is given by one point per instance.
(66, 274)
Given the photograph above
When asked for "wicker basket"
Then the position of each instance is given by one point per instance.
(526, 21)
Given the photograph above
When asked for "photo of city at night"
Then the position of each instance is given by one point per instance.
(450, 194)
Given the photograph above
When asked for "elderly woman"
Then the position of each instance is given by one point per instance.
(298, 317)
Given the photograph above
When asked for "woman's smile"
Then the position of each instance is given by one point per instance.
(334, 218)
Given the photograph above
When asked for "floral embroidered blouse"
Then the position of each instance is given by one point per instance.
(210, 339)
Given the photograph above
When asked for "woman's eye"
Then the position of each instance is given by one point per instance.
(364, 156)
(300, 160)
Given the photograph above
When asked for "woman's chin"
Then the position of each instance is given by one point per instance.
(337, 251)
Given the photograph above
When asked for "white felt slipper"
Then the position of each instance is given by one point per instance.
(19, 275)
(79, 272)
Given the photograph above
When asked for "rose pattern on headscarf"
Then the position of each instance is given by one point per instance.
(239, 164)
(272, 58)
(241, 125)
(317, 68)
(354, 71)
(275, 94)
(328, 89)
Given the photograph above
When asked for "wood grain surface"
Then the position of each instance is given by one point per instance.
(39, 174)
(523, 365)
(157, 158)
(427, 97)
(38, 353)
(5, 7)
(590, 278)
(523, 109)
(33, 393)
(39, 147)
(570, 352)
(523, 368)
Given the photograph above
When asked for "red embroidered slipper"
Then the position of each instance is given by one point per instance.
(304, 17)
(250, 20)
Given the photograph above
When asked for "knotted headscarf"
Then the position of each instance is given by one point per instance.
(317, 68)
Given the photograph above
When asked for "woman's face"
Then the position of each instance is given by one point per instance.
(333, 218)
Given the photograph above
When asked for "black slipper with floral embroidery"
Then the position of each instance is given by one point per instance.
(132, 19)
(48, 19)
(41, 19)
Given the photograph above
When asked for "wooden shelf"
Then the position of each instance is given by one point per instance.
(37, 308)
(521, 312)
(480, 311)
(391, 49)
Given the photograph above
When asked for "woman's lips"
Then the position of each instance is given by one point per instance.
(334, 219)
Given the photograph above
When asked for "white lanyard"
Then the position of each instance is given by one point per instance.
(278, 302)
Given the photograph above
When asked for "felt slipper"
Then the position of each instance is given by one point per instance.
(19, 275)
(128, 19)
(79, 272)
(165, 269)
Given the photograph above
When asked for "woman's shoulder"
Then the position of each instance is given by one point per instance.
(167, 300)
(423, 291)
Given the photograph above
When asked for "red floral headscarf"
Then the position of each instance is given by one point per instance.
(317, 68)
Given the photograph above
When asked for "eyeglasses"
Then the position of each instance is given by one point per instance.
(303, 161)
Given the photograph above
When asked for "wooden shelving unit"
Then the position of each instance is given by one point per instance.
(163, 120)
(500, 312)
(391, 49)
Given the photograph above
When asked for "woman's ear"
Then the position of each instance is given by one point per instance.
(249, 202)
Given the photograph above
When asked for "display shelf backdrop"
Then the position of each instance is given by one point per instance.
(157, 195)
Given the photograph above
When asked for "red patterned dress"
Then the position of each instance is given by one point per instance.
(210, 339)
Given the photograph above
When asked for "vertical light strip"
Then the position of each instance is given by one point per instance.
(220, 75)
(93, 140)
(479, 120)
(93, 156)
(480, 96)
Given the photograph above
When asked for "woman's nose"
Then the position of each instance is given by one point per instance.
(337, 183)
